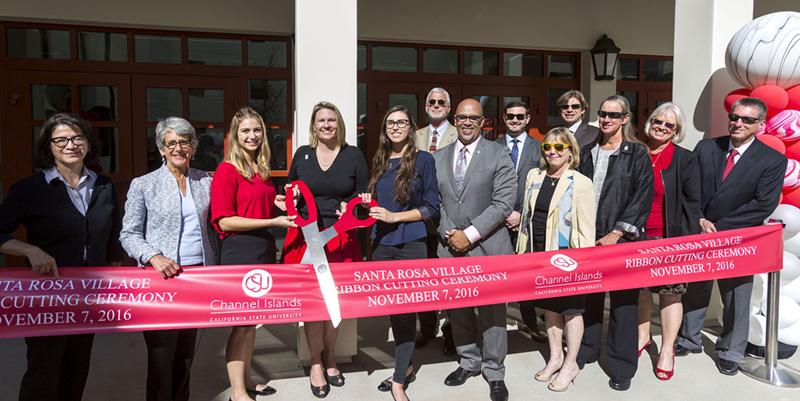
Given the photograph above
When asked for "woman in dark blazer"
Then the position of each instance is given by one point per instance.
(72, 218)
(675, 212)
(166, 227)
(619, 166)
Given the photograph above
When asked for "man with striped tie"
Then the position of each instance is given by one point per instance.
(439, 133)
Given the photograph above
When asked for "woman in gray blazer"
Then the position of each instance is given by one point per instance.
(166, 226)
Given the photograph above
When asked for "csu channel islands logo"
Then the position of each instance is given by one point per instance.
(564, 262)
(257, 283)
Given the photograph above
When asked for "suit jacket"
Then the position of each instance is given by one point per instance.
(580, 213)
(751, 191)
(58, 228)
(586, 134)
(490, 188)
(529, 159)
(449, 136)
(152, 221)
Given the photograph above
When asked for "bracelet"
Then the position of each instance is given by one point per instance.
(616, 232)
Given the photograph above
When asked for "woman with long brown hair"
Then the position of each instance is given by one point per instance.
(403, 181)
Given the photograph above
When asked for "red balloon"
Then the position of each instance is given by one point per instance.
(791, 197)
(734, 96)
(773, 142)
(794, 98)
(774, 96)
(792, 150)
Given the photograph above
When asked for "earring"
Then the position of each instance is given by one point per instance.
(163, 159)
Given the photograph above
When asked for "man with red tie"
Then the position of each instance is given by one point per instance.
(741, 180)
(440, 132)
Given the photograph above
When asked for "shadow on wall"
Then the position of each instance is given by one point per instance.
(710, 116)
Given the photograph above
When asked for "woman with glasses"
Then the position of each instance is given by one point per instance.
(335, 173)
(675, 212)
(243, 202)
(621, 171)
(558, 213)
(166, 227)
(403, 181)
(72, 218)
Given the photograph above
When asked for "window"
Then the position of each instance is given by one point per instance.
(37, 43)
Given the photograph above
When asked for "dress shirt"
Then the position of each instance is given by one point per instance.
(80, 195)
(471, 232)
(520, 145)
(439, 131)
(574, 127)
(741, 149)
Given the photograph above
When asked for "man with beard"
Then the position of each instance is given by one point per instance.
(439, 133)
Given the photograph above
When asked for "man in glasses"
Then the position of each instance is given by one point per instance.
(439, 133)
(741, 180)
(572, 106)
(477, 187)
(524, 152)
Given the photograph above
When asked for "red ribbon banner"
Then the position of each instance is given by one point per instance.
(108, 299)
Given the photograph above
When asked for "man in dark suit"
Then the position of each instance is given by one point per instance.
(572, 105)
(741, 180)
(477, 187)
(525, 152)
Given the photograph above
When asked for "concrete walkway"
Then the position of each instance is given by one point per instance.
(119, 364)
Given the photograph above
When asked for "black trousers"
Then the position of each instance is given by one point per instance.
(57, 368)
(404, 325)
(622, 354)
(169, 361)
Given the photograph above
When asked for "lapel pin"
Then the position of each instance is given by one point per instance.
(306, 157)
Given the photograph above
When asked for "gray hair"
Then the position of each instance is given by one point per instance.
(177, 125)
(438, 90)
(752, 102)
(680, 120)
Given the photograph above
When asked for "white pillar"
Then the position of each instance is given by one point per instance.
(703, 29)
(325, 62)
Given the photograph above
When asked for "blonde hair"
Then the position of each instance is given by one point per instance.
(237, 156)
(566, 136)
(313, 141)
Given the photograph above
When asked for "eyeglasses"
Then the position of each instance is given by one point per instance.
(659, 122)
(610, 114)
(399, 123)
(570, 106)
(172, 144)
(559, 147)
(473, 118)
(62, 142)
(520, 117)
(433, 102)
(746, 120)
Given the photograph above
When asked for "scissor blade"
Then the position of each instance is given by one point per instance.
(315, 255)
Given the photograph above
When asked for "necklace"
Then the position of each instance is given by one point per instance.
(552, 180)
(323, 164)
(656, 159)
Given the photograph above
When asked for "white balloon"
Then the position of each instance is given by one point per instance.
(791, 268)
(790, 335)
(792, 244)
(758, 330)
(788, 312)
(765, 51)
(790, 215)
(791, 290)
(759, 294)
(755, 308)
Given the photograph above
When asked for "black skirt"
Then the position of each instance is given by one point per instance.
(249, 247)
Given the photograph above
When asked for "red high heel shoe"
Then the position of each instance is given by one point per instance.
(646, 346)
(662, 374)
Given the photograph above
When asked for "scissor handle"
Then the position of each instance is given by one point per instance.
(348, 221)
(312, 206)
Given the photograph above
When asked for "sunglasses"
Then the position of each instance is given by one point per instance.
(559, 147)
(746, 120)
(570, 106)
(659, 122)
(433, 102)
(520, 117)
(610, 114)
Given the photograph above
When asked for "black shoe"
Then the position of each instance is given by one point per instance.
(680, 350)
(335, 380)
(498, 391)
(459, 376)
(386, 385)
(265, 391)
(320, 391)
(422, 339)
(727, 367)
(619, 384)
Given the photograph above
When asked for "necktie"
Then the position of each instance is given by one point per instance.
(461, 169)
(729, 163)
(515, 152)
(433, 142)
